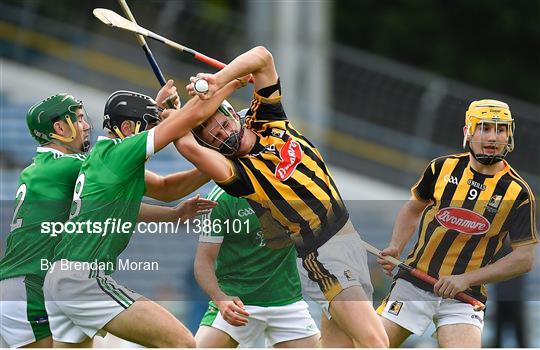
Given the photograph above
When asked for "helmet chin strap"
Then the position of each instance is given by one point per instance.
(484, 158)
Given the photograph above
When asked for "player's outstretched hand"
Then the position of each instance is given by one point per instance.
(387, 266)
(449, 286)
(167, 96)
(204, 91)
(233, 311)
(194, 207)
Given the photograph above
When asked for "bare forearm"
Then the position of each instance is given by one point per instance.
(182, 184)
(155, 213)
(404, 228)
(250, 62)
(512, 265)
(206, 278)
(206, 108)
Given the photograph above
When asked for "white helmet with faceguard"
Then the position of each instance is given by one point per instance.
(488, 111)
(231, 144)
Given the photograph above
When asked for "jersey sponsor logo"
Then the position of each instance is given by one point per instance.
(451, 179)
(463, 220)
(395, 307)
(476, 184)
(291, 155)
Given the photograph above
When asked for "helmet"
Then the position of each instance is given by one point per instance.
(231, 144)
(41, 117)
(489, 111)
(127, 105)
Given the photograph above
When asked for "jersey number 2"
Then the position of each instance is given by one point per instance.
(21, 193)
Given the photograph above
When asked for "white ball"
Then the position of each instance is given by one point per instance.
(201, 86)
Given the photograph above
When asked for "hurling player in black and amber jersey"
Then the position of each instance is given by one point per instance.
(284, 177)
(466, 206)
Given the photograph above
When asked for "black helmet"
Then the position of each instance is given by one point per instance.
(126, 105)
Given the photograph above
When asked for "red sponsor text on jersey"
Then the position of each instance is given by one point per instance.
(291, 156)
(463, 220)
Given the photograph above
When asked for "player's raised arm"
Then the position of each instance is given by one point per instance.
(258, 62)
(179, 122)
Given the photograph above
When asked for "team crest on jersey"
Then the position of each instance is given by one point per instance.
(494, 202)
(395, 307)
(276, 132)
(291, 155)
(463, 220)
(348, 274)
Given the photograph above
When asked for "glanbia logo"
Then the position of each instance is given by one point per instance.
(463, 220)
(291, 156)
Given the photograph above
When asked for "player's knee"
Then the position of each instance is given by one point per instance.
(180, 339)
(373, 340)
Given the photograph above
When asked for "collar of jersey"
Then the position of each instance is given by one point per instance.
(48, 149)
(101, 138)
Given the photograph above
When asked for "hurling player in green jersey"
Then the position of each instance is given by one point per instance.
(45, 189)
(255, 290)
(82, 299)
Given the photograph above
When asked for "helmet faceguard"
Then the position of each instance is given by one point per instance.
(231, 144)
(41, 117)
(127, 105)
(492, 112)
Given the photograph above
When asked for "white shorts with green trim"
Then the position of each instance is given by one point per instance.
(277, 323)
(81, 302)
(414, 309)
(23, 319)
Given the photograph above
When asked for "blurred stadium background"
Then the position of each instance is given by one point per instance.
(381, 87)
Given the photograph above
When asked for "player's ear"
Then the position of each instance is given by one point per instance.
(466, 132)
(59, 128)
(126, 128)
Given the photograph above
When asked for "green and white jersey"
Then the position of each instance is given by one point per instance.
(245, 266)
(44, 193)
(106, 200)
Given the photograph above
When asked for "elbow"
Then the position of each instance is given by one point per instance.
(529, 263)
(265, 55)
(526, 261)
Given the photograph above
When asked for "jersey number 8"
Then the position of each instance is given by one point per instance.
(77, 196)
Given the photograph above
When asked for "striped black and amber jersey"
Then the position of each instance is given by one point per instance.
(285, 174)
(469, 218)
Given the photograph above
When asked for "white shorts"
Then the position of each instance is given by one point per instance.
(81, 302)
(277, 323)
(338, 264)
(414, 309)
(23, 319)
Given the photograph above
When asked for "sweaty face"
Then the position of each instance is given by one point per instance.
(489, 138)
(218, 128)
